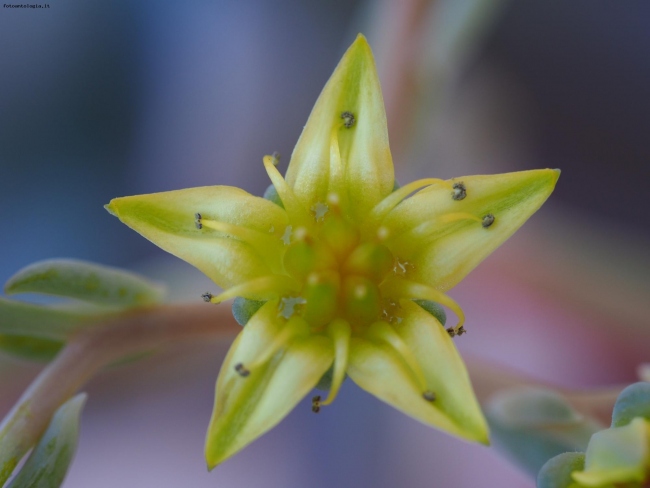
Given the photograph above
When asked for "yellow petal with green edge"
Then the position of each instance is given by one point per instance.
(247, 407)
(617, 455)
(366, 163)
(444, 239)
(378, 369)
(246, 245)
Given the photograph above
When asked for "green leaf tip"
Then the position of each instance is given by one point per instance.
(89, 282)
(48, 463)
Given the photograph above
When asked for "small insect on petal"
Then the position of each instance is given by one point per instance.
(348, 119)
(315, 404)
(429, 396)
(241, 370)
(459, 192)
(488, 220)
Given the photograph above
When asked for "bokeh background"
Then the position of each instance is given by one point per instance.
(105, 99)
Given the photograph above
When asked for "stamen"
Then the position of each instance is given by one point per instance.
(456, 216)
(430, 227)
(315, 404)
(291, 203)
(336, 166)
(245, 234)
(429, 396)
(381, 331)
(340, 332)
(264, 288)
(401, 288)
(488, 220)
(348, 119)
(294, 328)
(241, 370)
(382, 209)
(207, 297)
(460, 192)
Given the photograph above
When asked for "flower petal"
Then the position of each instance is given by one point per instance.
(445, 238)
(245, 408)
(243, 243)
(365, 159)
(616, 455)
(381, 371)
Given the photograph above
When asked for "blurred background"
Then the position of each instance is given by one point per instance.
(105, 99)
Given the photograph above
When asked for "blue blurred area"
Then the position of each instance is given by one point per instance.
(103, 99)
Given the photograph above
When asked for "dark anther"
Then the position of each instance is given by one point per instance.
(315, 404)
(348, 118)
(451, 331)
(488, 220)
(197, 221)
(459, 192)
(461, 330)
(241, 370)
(207, 297)
(429, 396)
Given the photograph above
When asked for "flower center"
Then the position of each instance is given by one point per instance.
(338, 272)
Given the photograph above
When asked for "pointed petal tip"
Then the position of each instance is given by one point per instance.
(361, 44)
(478, 434)
(111, 209)
(361, 40)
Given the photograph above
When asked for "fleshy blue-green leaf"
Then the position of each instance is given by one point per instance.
(46, 322)
(30, 348)
(243, 309)
(85, 281)
(634, 401)
(532, 425)
(48, 463)
(616, 456)
(556, 473)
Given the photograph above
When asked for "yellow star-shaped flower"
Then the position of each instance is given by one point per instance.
(339, 261)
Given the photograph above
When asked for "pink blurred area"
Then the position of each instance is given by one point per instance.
(99, 100)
